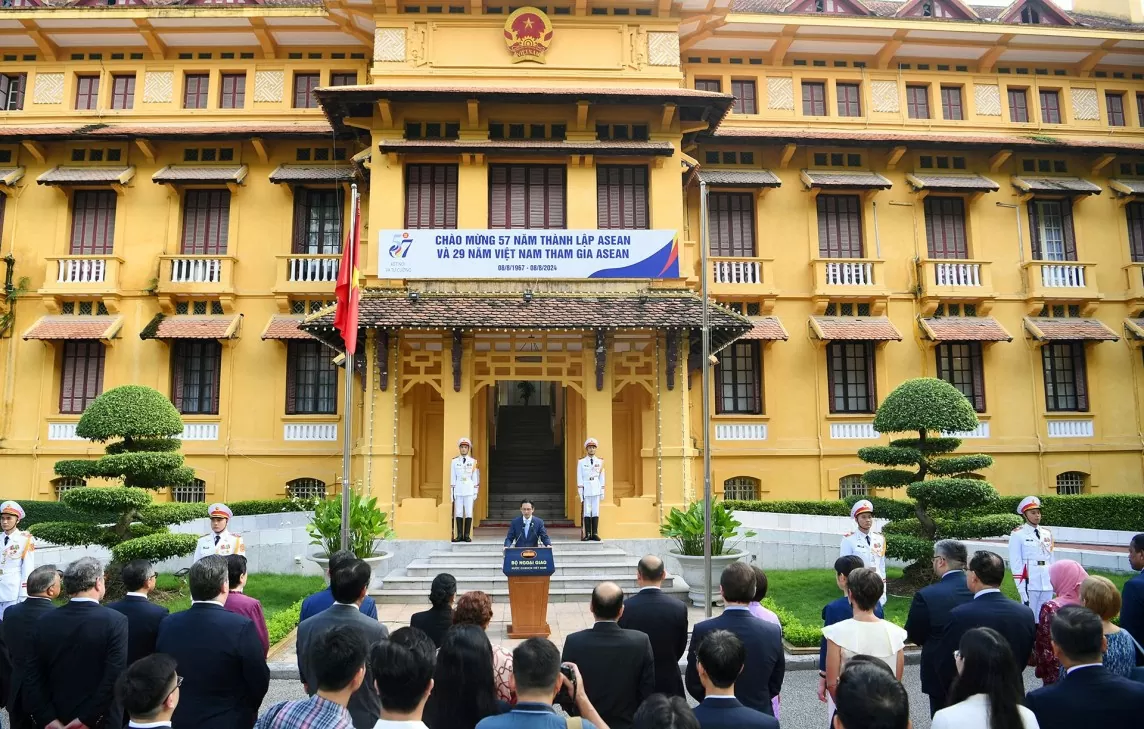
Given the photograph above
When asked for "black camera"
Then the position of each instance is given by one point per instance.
(565, 699)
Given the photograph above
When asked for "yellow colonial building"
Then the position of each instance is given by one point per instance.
(891, 190)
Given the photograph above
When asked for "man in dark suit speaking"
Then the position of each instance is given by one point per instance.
(527, 530)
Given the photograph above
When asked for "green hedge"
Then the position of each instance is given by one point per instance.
(36, 512)
(884, 508)
(281, 623)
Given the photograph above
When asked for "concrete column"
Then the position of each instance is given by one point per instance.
(473, 188)
(580, 193)
(458, 409)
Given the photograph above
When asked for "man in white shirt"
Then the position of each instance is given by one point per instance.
(464, 485)
(1030, 555)
(149, 691)
(17, 556)
(403, 671)
(221, 540)
(590, 485)
(866, 543)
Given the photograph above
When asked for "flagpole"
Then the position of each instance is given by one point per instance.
(347, 423)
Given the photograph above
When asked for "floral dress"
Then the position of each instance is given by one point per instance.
(502, 671)
(1048, 668)
(1121, 656)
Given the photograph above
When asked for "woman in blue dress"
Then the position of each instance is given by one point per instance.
(1102, 597)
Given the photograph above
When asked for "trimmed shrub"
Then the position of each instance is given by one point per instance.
(129, 412)
(883, 508)
(155, 547)
(281, 623)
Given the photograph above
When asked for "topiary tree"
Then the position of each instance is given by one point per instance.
(140, 427)
(940, 484)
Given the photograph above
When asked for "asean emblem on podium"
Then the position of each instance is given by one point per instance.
(528, 33)
(529, 570)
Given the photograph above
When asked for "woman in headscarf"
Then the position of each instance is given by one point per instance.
(1066, 577)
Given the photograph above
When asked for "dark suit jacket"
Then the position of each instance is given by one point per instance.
(720, 713)
(1009, 618)
(762, 676)
(833, 612)
(225, 675)
(17, 628)
(320, 601)
(1132, 611)
(143, 618)
(78, 652)
(536, 533)
(365, 705)
(617, 668)
(1088, 697)
(434, 622)
(664, 620)
(927, 623)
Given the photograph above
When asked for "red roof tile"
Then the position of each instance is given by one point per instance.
(227, 130)
(192, 327)
(74, 327)
(964, 329)
(203, 174)
(863, 138)
(314, 173)
(493, 146)
(854, 328)
(1044, 329)
(965, 183)
(284, 327)
(64, 175)
(839, 179)
(766, 328)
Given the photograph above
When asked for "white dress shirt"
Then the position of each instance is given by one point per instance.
(387, 724)
(973, 713)
(986, 591)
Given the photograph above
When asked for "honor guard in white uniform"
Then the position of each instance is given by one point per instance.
(590, 485)
(464, 483)
(1030, 554)
(868, 545)
(220, 541)
(17, 560)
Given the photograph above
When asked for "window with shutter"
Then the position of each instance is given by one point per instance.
(311, 379)
(839, 226)
(1114, 104)
(526, 196)
(813, 98)
(945, 227)
(81, 376)
(123, 92)
(195, 372)
(12, 91)
(917, 102)
(745, 97)
(93, 222)
(951, 103)
(1051, 226)
(346, 78)
(317, 221)
(86, 92)
(195, 89)
(1140, 108)
(1134, 212)
(850, 377)
(1018, 105)
(960, 364)
(732, 224)
(430, 196)
(709, 84)
(1050, 107)
(621, 197)
(206, 222)
(849, 99)
(232, 94)
(304, 85)
(1066, 378)
(738, 380)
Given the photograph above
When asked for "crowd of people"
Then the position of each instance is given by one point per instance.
(130, 663)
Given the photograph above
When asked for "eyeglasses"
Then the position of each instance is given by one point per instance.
(957, 655)
(178, 683)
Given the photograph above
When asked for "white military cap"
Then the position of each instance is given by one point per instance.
(11, 507)
(221, 510)
(861, 507)
(464, 441)
(591, 442)
(1029, 502)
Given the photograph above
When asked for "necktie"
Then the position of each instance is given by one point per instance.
(1036, 532)
(5, 540)
(216, 538)
(867, 539)
(526, 523)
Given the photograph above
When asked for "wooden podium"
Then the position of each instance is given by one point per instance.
(529, 570)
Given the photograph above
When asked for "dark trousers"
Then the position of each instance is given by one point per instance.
(936, 704)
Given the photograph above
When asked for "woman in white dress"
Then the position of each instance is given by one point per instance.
(864, 634)
(988, 690)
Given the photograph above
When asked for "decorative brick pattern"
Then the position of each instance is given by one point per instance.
(158, 87)
(780, 94)
(987, 99)
(269, 85)
(885, 96)
(48, 88)
(389, 45)
(663, 49)
(1085, 105)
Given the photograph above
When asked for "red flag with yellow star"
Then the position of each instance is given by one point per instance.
(348, 288)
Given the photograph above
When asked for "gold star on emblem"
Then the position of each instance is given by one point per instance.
(528, 23)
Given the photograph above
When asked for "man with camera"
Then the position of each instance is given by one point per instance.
(540, 680)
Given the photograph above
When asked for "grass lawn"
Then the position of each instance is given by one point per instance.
(275, 592)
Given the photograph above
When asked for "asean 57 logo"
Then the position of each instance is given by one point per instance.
(528, 33)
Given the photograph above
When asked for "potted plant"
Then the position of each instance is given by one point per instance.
(686, 528)
(368, 525)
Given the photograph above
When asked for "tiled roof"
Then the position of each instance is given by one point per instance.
(11, 175)
(766, 328)
(204, 174)
(227, 130)
(844, 179)
(64, 175)
(284, 327)
(491, 146)
(862, 138)
(1067, 185)
(75, 327)
(967, 183)
(1135, 328)
(854, 328)
(1044, 329)
(1125, 186)
(739, 178)
(191, 327)
(964, 329)
(36, 132)
(393, 309)
(439, 92)
(314, 173)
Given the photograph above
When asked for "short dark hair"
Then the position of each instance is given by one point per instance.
(1079, 633)
(340, 559)
(402, 667)
(235, 569)
(760, 583)
(347, 582)
(845, 565)
(738, 582)
(337, 657)
(869, 697)
(146, 684)
(528, 501)
(607, 601)
(989, 567)
(208, 577)
(535, 665)
(135, 574)
(650, 568)
(442, 590)
(866, 588)
(722, 655)
(1137, 543)
(660, 711)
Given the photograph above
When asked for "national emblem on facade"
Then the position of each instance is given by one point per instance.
(528, 33)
